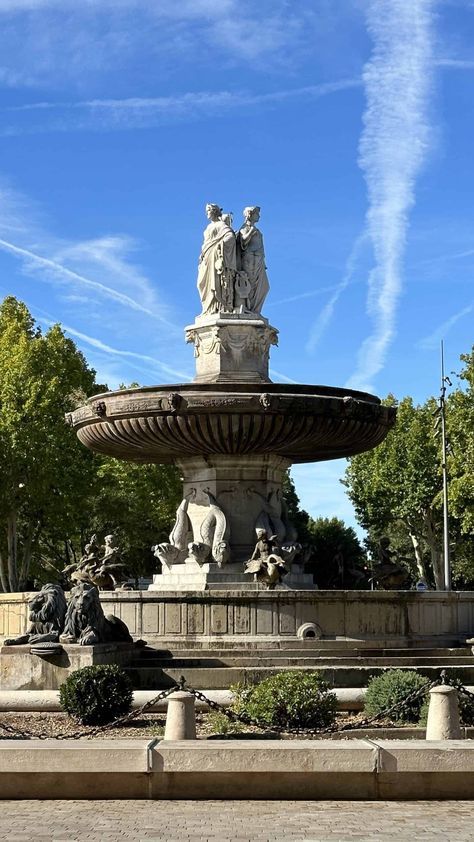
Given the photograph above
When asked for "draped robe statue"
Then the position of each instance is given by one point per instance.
(251, 258)
(217, 264)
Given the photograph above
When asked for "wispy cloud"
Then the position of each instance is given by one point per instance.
(146, 112)
(456, 63)
(393, 148)
(63, 42)
(33, 261)
(116, 352)
(86, 272)
(432, 341)
(302, 295)
(327, 312)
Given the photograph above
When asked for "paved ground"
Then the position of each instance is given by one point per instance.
(236, 821)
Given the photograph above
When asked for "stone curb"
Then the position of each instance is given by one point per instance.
(349, 698)
(365, 769)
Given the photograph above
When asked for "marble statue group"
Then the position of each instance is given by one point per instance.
(232, 275)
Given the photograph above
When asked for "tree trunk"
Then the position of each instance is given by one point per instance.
(26, 558)
(12, 539)
(420, 562)
(435, 550)
(3, 574)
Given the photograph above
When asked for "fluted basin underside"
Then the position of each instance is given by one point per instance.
(162, 423)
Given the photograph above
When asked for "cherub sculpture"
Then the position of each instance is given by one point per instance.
(266, 563)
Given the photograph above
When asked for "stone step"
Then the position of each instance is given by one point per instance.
(222, 677)
(166, 655)
(242, 643)
(283, 662)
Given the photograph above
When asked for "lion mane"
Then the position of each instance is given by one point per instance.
(47, 612)
(86, 622)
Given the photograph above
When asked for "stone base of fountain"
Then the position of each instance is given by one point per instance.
(191, 576)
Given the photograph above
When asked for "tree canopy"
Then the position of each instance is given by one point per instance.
(43, 477)
(396, 489)
(54, 492)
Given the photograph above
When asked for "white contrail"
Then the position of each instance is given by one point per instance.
(57, 269)
(393, 147)
(280, 376)
(429, 343)
(326, 313)
(143, 112)
(107, 349)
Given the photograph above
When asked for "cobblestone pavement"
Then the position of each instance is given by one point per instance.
(236, 821)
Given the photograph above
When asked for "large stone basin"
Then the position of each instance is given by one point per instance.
(163, 424)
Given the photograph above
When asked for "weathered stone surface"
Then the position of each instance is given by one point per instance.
(443, 714)
(362, 618)
(19, 669)
(180, 717)
(301, 423)
(231, 349)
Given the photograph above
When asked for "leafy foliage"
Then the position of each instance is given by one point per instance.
(393, 687)
(338, 559)
(44, 476)
(396, 488)
(96, 695)
(298, 517)
(296, 699)
(400, 482)
(138, 503)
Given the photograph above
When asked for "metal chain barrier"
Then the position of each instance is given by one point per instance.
(91, 732)
(234, 716)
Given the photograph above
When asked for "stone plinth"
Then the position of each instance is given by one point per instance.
(20, 670)
(232, 347)
(191, 576)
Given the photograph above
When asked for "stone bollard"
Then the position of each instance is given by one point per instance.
(180, 717)
(443, 714)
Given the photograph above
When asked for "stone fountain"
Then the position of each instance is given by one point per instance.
(232, 432)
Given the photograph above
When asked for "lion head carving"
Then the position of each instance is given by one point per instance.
(47, 612)
(86, 622)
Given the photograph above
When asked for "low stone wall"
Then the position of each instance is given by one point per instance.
(276, 614)
(241, 769)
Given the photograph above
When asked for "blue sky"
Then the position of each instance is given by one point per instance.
(349, 122)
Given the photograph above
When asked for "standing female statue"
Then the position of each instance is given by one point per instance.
(217, 264)
(252, 259)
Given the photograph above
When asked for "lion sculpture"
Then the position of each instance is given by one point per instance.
(47, 611)
(86, 622)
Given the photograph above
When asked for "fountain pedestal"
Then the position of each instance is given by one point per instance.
(231, 347)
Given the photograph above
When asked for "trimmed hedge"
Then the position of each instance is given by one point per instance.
(97, 695)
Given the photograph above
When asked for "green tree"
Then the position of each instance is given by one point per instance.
(400, 481)
(338, 559)
(460, 422)
(297, 516)
(44, 476)
(138, 504)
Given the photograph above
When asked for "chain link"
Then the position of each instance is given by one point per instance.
(91, 732)
(233, 716)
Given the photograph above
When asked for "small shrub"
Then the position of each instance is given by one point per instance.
(391, 688)
(96, 695)
(221, 724)
(296, 699)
